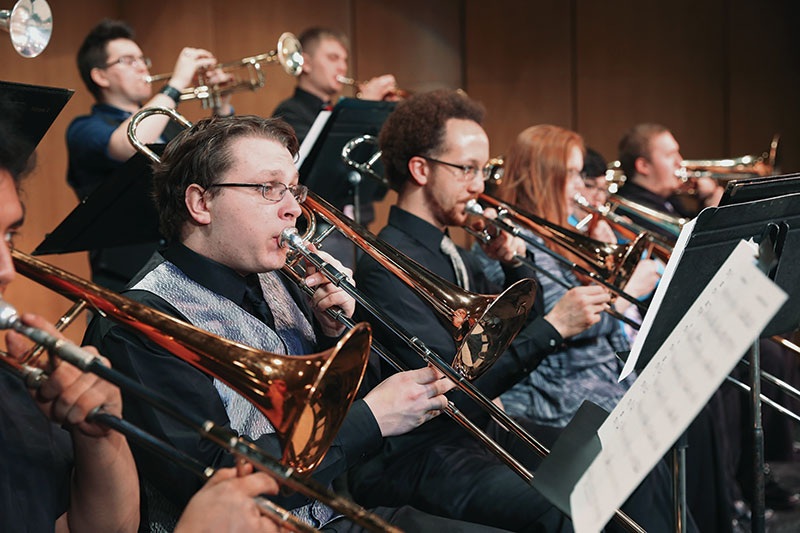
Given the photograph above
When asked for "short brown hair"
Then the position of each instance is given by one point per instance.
(635, 144)
(201, 154)
(418, 127)
(311, 38)
(92, 53)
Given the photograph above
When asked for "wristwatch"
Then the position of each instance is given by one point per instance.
(172, 92)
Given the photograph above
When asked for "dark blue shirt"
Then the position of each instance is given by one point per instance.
(88, 137)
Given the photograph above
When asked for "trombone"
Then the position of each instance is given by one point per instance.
(343, 366)
(289, 54)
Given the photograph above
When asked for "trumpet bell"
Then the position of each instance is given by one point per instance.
(305, 398)
(30, 25)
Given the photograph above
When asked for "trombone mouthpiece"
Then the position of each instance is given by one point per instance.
(290, 238)
(474, 208)
(345, 80)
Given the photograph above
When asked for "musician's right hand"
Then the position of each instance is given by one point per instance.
(189, 60)
(377, 88)
(406, 400)
(578, 309)
(226, 505)
(68, 395)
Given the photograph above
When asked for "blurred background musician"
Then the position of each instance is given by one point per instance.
(114, 69)
(434, 152)
(325, 55)
(219, 273)
(650, 158)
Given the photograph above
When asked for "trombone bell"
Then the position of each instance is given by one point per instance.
(30, 24)
(305, 398)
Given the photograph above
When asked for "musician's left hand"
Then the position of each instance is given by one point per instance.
(68, 395)
(379, 88)
(220, 77)
(503, 246)
(328, 295)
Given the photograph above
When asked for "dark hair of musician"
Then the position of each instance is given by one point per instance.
(14, 152)
(417, 127)
(594, 165)
(92, 53)
(201, 154)
(635, 144)
(310, 38)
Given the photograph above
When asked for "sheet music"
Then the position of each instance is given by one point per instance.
(658, 297)
(713, 335)
(312, 136)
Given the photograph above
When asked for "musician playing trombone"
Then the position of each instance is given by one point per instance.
(81, 476)
(225, 189)
(434, 152)
(115, 71)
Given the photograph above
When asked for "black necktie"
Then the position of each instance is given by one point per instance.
(254, 301)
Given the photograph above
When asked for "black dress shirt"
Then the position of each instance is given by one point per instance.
(300, 111)
(192, 390)
(36, 462)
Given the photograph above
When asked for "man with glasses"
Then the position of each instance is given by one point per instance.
(434, 153)
(114, 70)
(225, 190)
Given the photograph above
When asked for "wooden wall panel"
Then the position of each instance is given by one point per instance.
(518, 65)
(764, 79)
(651, 62)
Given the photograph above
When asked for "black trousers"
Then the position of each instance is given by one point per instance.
(411, 520)
(459, 478)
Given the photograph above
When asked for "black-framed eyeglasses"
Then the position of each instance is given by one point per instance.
(468, 172)
(131, 61)
(273, 191)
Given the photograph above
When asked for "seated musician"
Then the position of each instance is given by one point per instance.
(81, 476)
(542, 175)
(114, 68)
(650, 157)
(220, 274)
(436, 164)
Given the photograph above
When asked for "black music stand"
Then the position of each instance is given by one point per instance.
(773, 222)
(119, 212)
(323, 170)
(750, 189)
(30, 110)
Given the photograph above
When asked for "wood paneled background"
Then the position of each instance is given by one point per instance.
(722, 74)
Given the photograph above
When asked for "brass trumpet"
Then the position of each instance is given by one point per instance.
(30, 24)
(289, 54)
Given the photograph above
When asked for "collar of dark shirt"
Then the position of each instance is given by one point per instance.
(213, 276)
(423, 232)
(110, 111)
(635, 191)
(309, 100)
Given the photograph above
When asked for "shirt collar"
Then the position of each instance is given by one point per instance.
(308, 99)
(214, 276)
(420, 230)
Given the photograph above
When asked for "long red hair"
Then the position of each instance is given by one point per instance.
(535, 177)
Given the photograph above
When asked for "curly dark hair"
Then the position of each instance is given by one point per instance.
(417, 127)
(92, 53)
(201, 154)
(635, 144)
